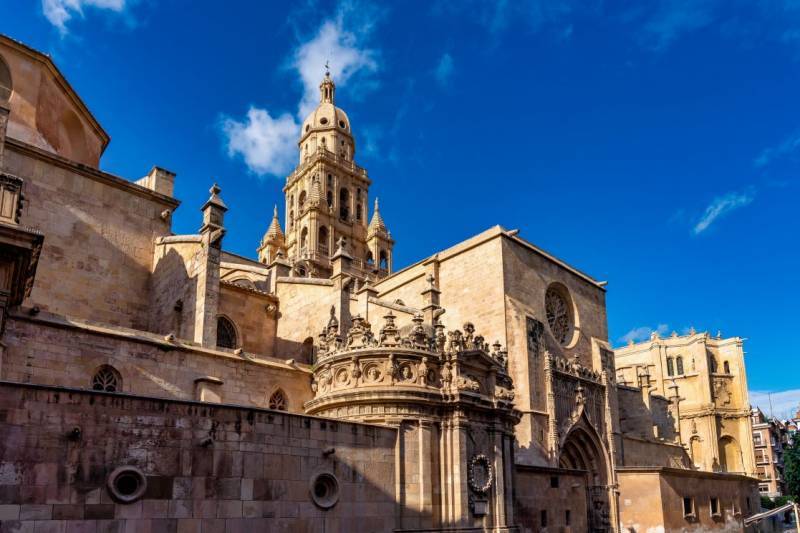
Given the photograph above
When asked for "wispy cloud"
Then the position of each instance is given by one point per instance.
(340, 48)
(59, 12)
(444, 70)
(784, 404)
(642, 333)
(787, 147)
(721, 206)
(537, 15)
(673, 18)
(265, 140)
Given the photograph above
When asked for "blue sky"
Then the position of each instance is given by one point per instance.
(654, 145)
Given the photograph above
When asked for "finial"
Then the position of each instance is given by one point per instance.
(376, 203)
(275, 211)
(327, 69)
(215, 189)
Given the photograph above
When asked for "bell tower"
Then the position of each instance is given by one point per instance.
(327, 198)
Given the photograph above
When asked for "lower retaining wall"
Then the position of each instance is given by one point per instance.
(205, 467)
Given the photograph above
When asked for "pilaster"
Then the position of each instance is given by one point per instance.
(207, 301)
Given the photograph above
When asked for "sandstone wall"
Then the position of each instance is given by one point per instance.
(173, 287)
(649, 499)
(50, 351)
(538, 502)
(253, 314)
(99, 233)
(304, 310)
(208, 468)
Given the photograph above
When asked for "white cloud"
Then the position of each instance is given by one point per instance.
(720, 206)
(642, 333)
(768, 155)
(59, 12)
(444, 69)
(267, 144)
(784, 403)
(338, 47)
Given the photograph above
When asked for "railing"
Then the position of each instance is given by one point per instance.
(323, 153)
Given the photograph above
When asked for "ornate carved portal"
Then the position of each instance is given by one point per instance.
(582, 451)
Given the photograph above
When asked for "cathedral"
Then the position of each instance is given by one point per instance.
(155, 382)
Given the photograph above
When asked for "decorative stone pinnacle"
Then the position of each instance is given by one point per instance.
(215, 189)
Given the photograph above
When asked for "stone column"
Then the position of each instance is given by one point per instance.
(499, 517)
(459, 472)
(207, 301)
(426, 434)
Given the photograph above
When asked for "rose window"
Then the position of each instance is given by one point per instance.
(558, 315)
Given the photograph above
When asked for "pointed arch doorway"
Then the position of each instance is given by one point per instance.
(582, 450)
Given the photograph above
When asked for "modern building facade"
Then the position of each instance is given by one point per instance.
(152, 381)
(769, 437)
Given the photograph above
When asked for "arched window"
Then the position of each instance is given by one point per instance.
(712, 363)
(6, 85)
(358, 212)
(301, 200)
(727, 367)
(277, 401)
(670, 368)
(291, 219)
(329, 198)
(307, 351)
(370, 259)
(679, 365)
(384, 263)
(226, 333)
(107, 379)
(322, 242)
(344, 203)
(304, 240)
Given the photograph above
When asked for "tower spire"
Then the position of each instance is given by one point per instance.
(377, 225)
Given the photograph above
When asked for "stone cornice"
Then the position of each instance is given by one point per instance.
(91, 173)
(145, 337)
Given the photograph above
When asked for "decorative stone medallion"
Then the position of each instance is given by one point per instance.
(481, 474)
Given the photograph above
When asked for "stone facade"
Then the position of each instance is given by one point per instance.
(156, 382)
(705, 377)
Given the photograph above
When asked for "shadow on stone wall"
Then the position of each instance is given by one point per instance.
(212, 466)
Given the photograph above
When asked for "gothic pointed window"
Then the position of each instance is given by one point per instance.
(358, 212)
(226, 333)
(107, 379)
(712, 363)
(679, 365)
(277, 401)
(384, 260)
(670, 367)
(727, 367)
(370, 259)
(559, 315)
(301, 201)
